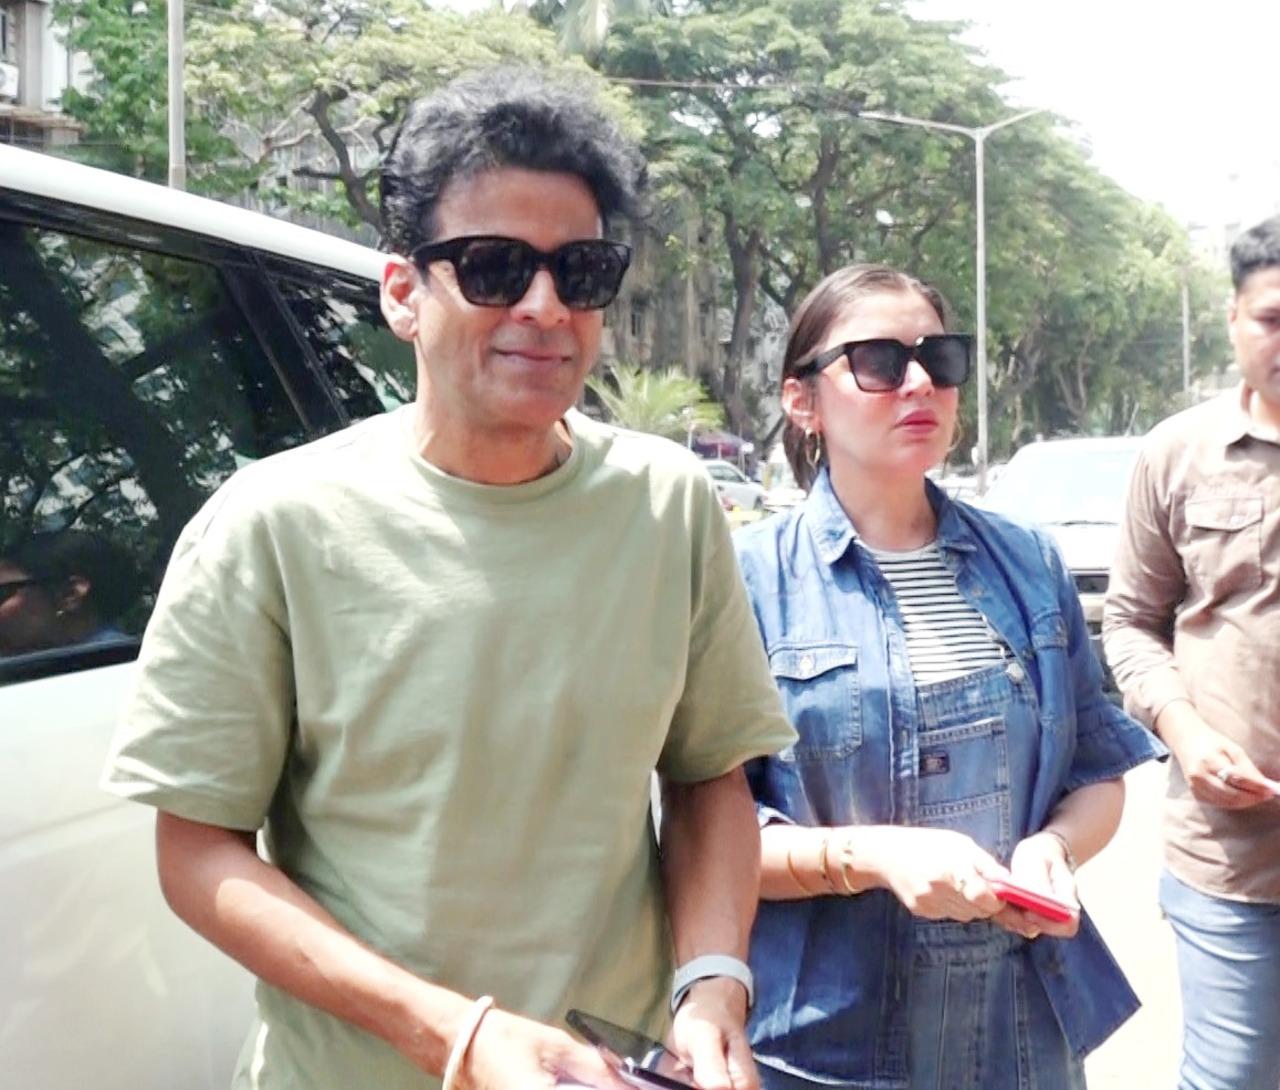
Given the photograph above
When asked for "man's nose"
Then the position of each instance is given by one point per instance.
(541, 305)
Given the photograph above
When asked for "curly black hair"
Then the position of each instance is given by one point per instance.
(503, 117)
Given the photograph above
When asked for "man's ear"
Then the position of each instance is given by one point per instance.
(399, 281)
(72, 594)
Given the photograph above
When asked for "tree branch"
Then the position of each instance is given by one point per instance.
(354, 184)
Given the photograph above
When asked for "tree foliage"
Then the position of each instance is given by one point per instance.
(751, 111)
(668, 402)
(583, 26)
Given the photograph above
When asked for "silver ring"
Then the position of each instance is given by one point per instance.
(1224, 774)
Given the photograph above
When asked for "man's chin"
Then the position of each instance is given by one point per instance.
(536, 412)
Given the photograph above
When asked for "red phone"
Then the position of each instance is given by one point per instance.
(1032, 900)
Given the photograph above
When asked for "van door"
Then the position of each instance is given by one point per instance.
(132, 383)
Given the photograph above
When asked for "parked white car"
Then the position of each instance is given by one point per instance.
(732, 482)
(150, 343)
(1076, 489)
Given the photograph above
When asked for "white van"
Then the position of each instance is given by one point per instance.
(150, 343)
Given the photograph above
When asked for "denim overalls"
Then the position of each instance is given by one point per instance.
(853, 991)
(975, 997)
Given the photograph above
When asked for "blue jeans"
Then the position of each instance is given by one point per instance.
(1229, 968)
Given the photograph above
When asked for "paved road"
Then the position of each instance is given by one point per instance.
(1119, 888)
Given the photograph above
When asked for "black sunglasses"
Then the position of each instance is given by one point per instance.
(880, 364)
(9, 589)
(493, 271)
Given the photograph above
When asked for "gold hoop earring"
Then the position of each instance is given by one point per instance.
(813, 449)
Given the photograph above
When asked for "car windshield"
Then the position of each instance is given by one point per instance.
(1064, 484)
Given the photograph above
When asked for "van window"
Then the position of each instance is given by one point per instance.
(131, 387)
(371, 369)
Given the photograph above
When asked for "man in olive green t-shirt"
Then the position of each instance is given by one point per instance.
(436, 658)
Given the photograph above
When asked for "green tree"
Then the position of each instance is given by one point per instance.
(584, 25)
(759, 122)
(285, 96)
(667, 403)
(124, 104)
(761, 129)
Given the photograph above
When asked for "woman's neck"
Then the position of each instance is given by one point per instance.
(891, 513)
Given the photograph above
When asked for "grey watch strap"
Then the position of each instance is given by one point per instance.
(707, 966)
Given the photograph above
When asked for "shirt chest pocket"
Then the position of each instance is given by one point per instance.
(1223, 545)
(822, 696)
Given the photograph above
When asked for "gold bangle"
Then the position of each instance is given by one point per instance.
(795, 875)
(846, 863)
(823, 866)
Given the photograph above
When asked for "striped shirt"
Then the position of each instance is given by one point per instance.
(946, 636)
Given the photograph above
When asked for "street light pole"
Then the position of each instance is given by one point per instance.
(177, 100)
(1186, 340)
(979, 137)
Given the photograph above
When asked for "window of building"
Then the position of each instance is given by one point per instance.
(8, 35)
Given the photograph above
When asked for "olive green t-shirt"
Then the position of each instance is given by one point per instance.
(444, 701)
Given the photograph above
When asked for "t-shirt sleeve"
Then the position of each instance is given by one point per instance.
(730, 710)
(205, 732)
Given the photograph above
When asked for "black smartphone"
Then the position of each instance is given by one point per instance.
(637, 1059)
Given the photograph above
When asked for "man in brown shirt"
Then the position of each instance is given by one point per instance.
(1192, 633)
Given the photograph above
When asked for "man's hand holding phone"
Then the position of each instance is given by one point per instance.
(709, 1034)
(510, 1051)
(704, 1054)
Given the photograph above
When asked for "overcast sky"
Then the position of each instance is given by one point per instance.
(1174, 98)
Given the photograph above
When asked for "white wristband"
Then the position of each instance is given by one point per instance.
(707, 966)
(462, 1042)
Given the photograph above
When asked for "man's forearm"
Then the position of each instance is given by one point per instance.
(215, 881)
(710, 865)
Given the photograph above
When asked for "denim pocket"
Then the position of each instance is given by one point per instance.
(963, 762)
(820, 691)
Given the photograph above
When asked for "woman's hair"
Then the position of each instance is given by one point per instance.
(821, 309)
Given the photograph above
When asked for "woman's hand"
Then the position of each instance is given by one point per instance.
(709, 1035)
(937, 874)
(1040, 863)
(509, 1052)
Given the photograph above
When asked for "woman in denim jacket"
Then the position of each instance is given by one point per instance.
(952, 733)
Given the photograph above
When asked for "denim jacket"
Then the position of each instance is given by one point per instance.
(832, 972)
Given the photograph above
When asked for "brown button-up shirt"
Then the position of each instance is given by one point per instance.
(1193, 613)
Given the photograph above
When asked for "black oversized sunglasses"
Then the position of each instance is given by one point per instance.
(9, 589)
(879, 365)
(494, 271)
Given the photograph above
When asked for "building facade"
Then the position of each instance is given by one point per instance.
(35, 69)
